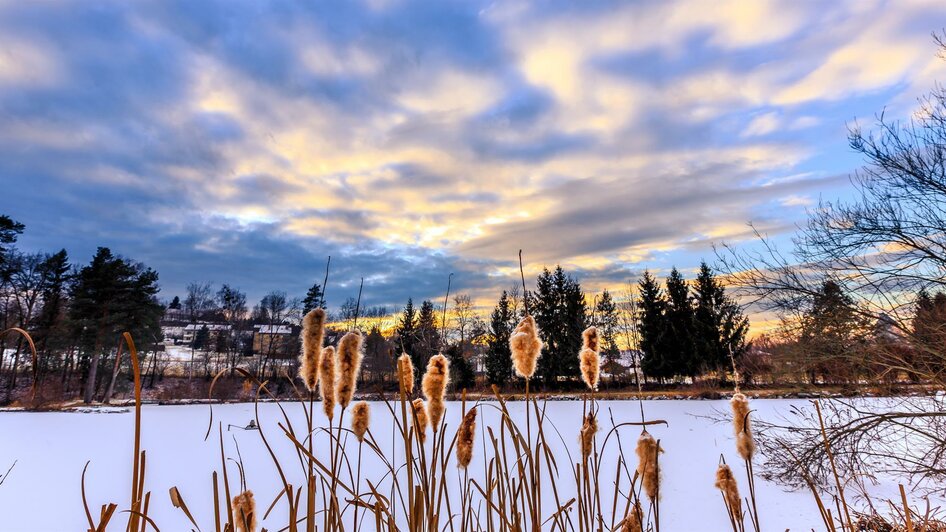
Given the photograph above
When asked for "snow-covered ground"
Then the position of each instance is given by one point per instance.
(43, 490)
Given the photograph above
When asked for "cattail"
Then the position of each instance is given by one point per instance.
(405, 372)
(360, 416)
(465, 435)
(726, 483)
(589, 359)
(647, 468)
(526, 347)
(420, 419)
(588, 430)
(313, 332)
(434, 385)
(244, 512)
(745, 445)
(634, 519)
(349, 364)
(327, 381)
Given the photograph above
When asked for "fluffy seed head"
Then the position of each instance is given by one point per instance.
(647, 468)
(313, 332)
(526, 347)
(405, 373)
(589, 359)
(244, 512)
(434, 386)
(349, 364)
(588, 430)
(465, 436)
(745, 444)
(327, 381)
(360, 416)
(726, 483)
(634, 519)
(420, 419)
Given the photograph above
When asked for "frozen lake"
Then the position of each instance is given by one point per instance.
(43, 490)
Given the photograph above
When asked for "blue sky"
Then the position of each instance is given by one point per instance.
(243, 142)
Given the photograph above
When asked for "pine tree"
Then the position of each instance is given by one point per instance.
(461, 371)
(112, 295)
(498, 357)
(175, 303)
(428, 335)
(313, 299)
(407, 330)
(559, 308)
(606, 320)
(9, 231)
(50, 332)
(653, 329)
(680, 347)
(719, 325)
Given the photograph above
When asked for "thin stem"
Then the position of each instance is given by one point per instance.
(522, 277)
(325, 280)
(358, 303)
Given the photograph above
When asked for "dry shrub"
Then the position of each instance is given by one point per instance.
(360, 418)
(435, 382)
(313, 334)
(466, 435)
(526, 347)
(349, 365)
(647, 464)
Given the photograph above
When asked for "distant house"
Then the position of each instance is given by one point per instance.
(279, 341)
(189, 332)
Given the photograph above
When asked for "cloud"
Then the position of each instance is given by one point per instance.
(245, 141)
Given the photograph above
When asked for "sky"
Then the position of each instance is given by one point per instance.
(245, 141)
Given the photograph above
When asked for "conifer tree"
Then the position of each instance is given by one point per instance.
(313, 299)
(498, 357)
(653, 328)
(719, 327)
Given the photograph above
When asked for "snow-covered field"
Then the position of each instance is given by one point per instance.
(43, 490)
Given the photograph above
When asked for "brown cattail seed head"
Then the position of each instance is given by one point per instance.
(745, 444)
(434, 386)
(634, 520)
(647, 468)
(405, 373)
(588, 430)
(589, 359)
(726, 483)
(327, 381)
(465, 436)
(360, 416)
(244, 512)
(313, 332)
(526, 347)
(420, 419)
(349, 364)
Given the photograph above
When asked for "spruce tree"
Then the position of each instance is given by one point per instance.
(560, 312)
(313, 299)
(606, 320)
(653, 328)
(719, 325)
(680, 347)
(407, 330)
(428, 335)
(498, 359)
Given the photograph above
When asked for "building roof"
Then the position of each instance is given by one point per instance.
(273, 329)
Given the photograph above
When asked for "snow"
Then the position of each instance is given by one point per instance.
(50, 450)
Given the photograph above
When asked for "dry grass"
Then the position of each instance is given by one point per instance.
(520, 474)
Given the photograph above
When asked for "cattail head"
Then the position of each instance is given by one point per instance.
(349, 364)
(360, 415)
(405, 373)
(434, 386)
(745, 444)
(647, 464)
(327, 381)
(244, 512)
(634, 520)
(313, 332)
(526, 347)
(589, 359)
(726, 483)
(420, 419)
(465, 436)
(588, 430)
